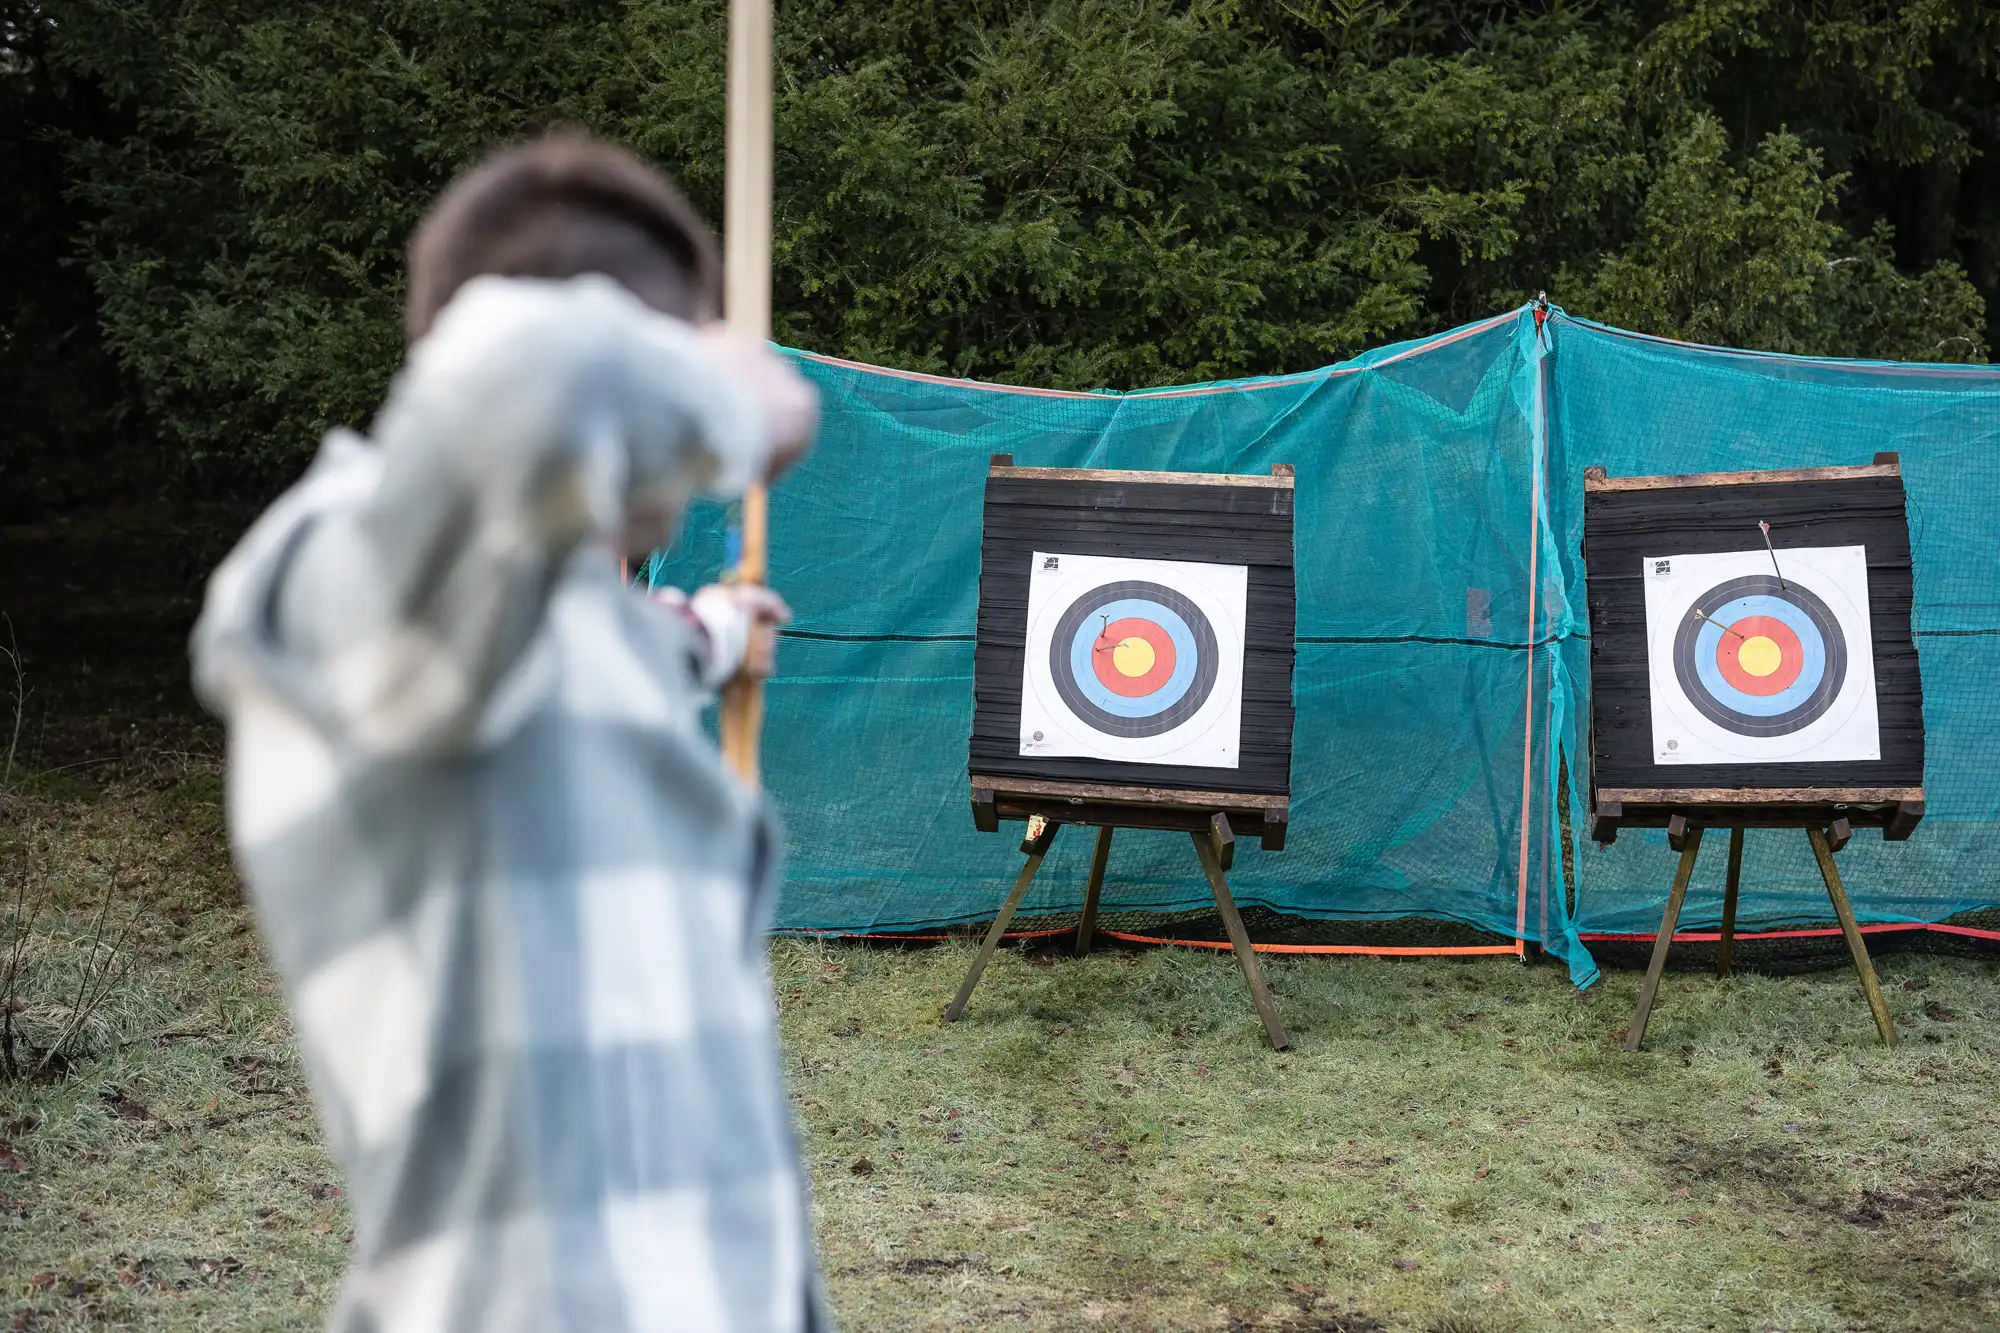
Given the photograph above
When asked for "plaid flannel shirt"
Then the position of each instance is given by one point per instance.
(516, 901)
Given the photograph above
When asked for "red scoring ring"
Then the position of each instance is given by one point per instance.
(1791, 655)
(1132, 627)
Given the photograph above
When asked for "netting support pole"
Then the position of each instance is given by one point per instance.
(1870, 987)
(1635, 1032)
(1535, 446)
(1087, 927)
(1729, 903)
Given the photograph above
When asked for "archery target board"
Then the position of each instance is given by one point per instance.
(1184, 580)
(1755, 660)
(1134, 661)
(1751, 656)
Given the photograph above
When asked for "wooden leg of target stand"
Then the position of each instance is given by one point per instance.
(1088, 925)
(1211, 847)
(1036, 846)
(1729, 903)
(1855, 945)
(1635, 1034)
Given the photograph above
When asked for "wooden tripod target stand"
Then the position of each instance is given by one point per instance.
(1685, 838)
(1752, 666)
(1134, 670)
(1210, 819)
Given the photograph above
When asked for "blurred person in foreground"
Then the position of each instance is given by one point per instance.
(517, 903)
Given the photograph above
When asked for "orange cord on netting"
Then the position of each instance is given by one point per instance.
(1372, 950)
(1185, 391)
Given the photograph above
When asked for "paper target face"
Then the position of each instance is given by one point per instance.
(1752, 664)
(1139, 661)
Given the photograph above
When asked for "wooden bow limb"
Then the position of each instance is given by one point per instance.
(746, 289)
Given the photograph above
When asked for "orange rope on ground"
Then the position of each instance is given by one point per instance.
(1973, 931)
(1708, 936)
(1417, 951)
(1372, 950)
(924, 939)
(1386, 950)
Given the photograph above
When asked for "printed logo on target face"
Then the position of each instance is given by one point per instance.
(1051, 562)
(1662, 567)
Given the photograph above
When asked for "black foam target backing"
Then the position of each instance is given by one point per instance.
(1624, 527)
(1207, 523)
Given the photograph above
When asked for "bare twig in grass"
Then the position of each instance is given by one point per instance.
(16, 918)
(168, 1038)
(96, 935)
(22, 920)
(237, 1117)
(9, 989)
(94, 987)
(105, 965)
(13, 655)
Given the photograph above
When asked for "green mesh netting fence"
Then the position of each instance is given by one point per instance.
(1443, 651)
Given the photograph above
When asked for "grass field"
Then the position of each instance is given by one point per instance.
(1450, 1147)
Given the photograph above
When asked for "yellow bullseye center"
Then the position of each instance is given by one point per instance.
(1759, 655)
(1132, 657)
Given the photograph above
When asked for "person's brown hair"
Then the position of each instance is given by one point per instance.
(561, 206)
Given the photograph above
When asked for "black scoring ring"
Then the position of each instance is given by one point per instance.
(1748, 724)
(1167, 718)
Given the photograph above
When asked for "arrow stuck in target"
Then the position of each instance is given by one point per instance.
(1765, 528)
(1699, 614)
